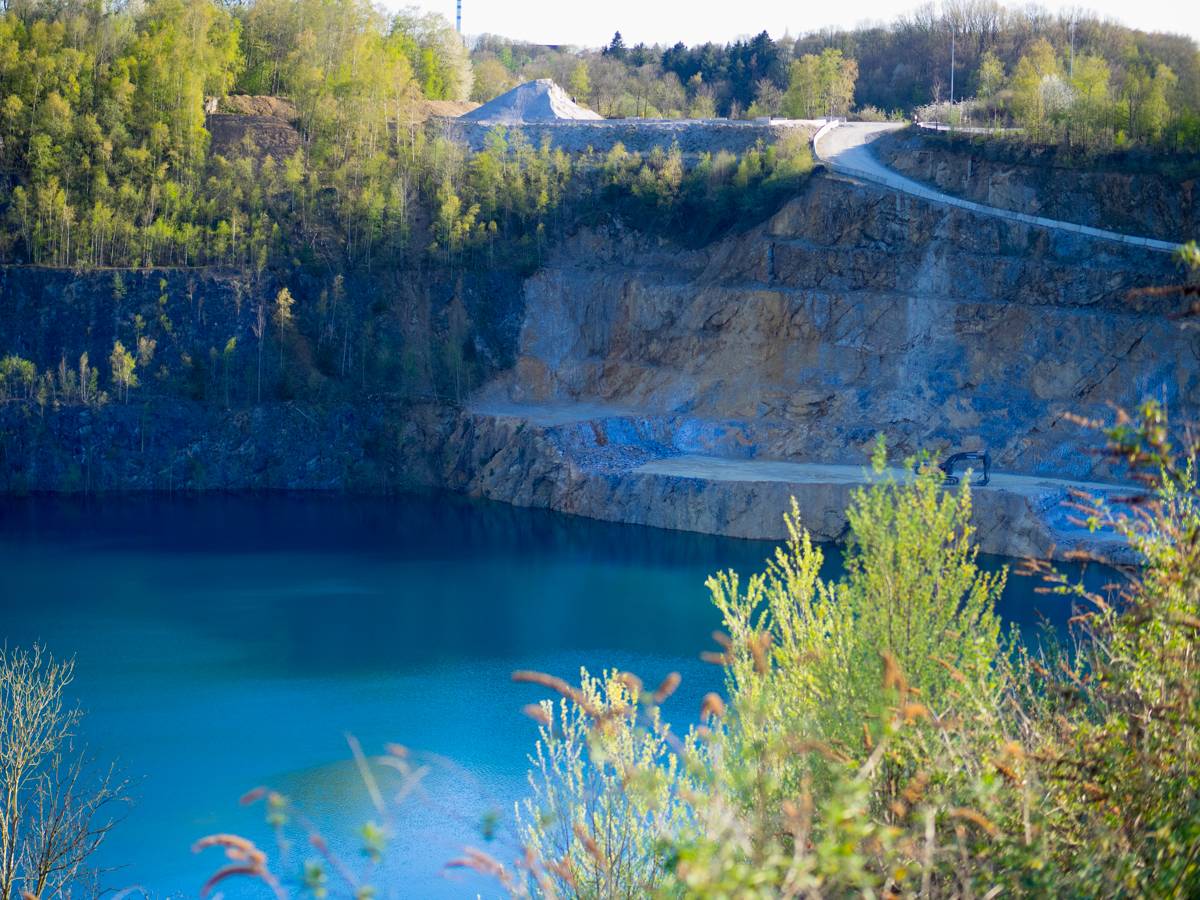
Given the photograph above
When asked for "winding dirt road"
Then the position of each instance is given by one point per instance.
(845, 148)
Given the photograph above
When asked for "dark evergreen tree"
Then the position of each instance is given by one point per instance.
(616, 47)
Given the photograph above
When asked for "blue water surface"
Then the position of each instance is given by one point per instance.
(227, 642)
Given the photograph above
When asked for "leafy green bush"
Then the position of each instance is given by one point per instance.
(596, 826)
(18, 377)
(880, 737)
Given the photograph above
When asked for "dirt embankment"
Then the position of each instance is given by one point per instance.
(251, 105)
(267, 126)
(1135, 192)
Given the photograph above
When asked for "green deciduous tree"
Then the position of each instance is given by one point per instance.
(580, 84)
(1040, 92)
(124, 366)
(821, 85)
(17, 378)
(990, 77)
(491, 79)
(281, 315)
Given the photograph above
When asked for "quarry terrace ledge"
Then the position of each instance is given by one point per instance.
(540, 457)
(637, 135)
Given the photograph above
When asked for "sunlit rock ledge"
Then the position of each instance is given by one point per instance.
(664, 472)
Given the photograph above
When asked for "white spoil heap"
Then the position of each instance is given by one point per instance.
(534, 101)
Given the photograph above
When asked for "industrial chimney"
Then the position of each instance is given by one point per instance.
(458, 16)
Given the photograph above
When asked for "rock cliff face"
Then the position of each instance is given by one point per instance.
(173, 445)
(352, 396)
(1123, 192)
(851, 312)
(631, 380)
(635, 135)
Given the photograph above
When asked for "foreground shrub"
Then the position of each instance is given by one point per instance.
(1119, 733)
(55, 811)
(604, 788)
(879, 737)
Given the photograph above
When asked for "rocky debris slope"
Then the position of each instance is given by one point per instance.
(267, 135)
(258, 105)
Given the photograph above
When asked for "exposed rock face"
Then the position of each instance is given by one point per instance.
(195, 421)
(1123, 192)
(626, 469)
(851, 312)
(643, 383)
(636, 135)
(183, 446)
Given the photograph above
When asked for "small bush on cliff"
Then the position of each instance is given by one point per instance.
(18, 378)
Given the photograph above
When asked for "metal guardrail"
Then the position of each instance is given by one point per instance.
(907, 186)
(946, 127)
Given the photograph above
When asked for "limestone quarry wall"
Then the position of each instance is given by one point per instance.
(855, 311)
(852, 311)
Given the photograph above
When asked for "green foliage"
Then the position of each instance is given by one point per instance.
(104, 130)
(1122, 727)
(912, 592)
(879, 737)
(602, 796)
(820, 85)
(990, 78)
(123, 369)
(104, 122)
(437, 54)
(1084, 100)
(18, 378)
(580, 84)
(694, 206)
(902, 66)
(104, 126)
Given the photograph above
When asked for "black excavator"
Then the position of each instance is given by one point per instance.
(981, 478)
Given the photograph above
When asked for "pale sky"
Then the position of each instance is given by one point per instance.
(696, 21)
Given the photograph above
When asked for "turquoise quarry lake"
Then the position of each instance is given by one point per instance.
(228, 642)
